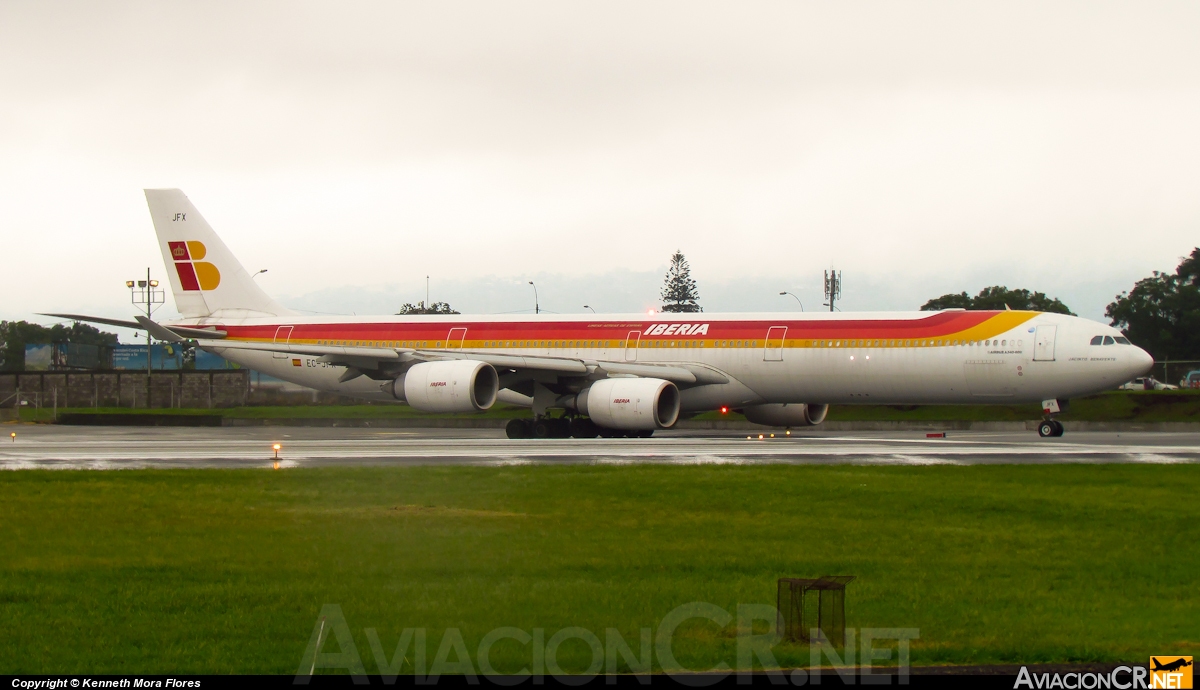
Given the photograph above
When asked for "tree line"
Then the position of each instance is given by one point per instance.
(15, 335)
(1160, 314)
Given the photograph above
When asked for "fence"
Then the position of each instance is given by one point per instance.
(217, 388)
(1173, 371)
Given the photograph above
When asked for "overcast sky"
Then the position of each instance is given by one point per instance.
(354, 148)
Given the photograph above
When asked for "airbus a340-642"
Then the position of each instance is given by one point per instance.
(629, 374)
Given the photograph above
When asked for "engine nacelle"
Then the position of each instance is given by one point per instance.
(462, 385)
(786, 414)
(631, 404)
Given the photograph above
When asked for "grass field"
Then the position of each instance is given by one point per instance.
(1136, 406)
(226, 570)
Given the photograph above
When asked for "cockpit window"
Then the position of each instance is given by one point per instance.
(1108, 340)
(1098, 340)
(1123, 340)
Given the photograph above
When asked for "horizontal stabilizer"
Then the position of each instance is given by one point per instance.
(184, 331)
(97, 319)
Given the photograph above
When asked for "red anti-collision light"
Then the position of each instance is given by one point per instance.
(724, 410)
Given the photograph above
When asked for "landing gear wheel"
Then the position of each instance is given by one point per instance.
(1058, 427)
(1049, 427)
(582, 427)
(518, 428)
(543, 428)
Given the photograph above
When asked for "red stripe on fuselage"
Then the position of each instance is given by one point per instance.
(933, 326)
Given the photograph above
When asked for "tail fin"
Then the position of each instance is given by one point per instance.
(205, 277)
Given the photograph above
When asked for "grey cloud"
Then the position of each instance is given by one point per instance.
(1051, 146)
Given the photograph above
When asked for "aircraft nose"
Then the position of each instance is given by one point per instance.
(1141, 362)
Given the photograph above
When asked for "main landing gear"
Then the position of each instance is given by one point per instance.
(562, 427)
(1050, 427)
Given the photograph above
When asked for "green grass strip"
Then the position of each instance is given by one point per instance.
(222, 571)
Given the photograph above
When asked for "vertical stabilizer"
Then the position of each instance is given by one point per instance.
(205, 277)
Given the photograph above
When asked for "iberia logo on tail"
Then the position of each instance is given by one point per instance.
(194, 274)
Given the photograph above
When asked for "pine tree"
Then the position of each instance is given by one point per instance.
(679, 290)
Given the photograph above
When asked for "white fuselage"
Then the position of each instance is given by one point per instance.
(889, 358)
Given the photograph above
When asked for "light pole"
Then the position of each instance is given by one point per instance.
(536, 309)
(145, 292)
(785, 292)
(587, 307)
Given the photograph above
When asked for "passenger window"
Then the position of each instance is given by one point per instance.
(1003, 342)
(1123, 340)
(1098, 340)
(1108, 340)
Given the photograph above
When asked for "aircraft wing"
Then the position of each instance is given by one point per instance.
(331, 351)
(365, 359)
(381, 362)
(682, 372)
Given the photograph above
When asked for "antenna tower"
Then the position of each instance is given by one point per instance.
(833, 287)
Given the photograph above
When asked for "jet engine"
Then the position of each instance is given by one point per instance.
(631, 404)
(787, 414)
(462, 385)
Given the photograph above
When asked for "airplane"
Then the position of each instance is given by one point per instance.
(1181, 662)
(615, 375)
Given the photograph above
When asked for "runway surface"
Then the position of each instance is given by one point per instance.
(64, 447)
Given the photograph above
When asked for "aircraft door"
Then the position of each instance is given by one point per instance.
(282, 335)
(1043, 343)
(631, 345)
(773, 345)
(456, 338)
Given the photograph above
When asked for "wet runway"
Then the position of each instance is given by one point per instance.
(64, 447)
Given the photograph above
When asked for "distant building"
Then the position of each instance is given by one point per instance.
(207, 361)
(74, 356)
(164, 356)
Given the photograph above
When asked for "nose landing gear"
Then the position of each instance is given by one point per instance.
(1050, 426)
